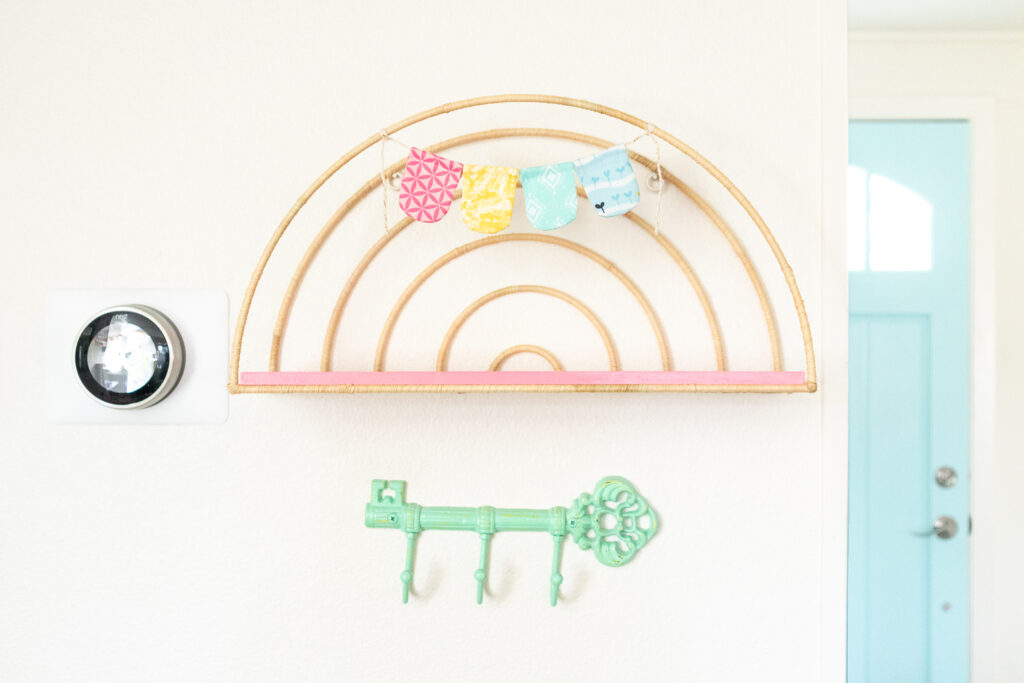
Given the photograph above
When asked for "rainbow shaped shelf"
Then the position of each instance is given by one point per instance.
(666, 379)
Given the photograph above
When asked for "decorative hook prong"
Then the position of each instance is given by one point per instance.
(410, 542)
(481, 573)
(556, 565)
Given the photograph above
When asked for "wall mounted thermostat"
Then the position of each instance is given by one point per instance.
(136, 356)
(129, 356)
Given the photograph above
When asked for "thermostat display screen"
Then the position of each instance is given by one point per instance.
(122, 356)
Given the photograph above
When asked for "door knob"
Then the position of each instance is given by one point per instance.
(944, 527)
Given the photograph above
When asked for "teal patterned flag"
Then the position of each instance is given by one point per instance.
(550, 194)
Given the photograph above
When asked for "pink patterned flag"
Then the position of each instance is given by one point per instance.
(428, 184)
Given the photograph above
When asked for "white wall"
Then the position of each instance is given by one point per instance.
(970, 68)
(158, 146)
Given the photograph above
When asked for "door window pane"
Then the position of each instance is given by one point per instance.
(900, 226)
(888, 225)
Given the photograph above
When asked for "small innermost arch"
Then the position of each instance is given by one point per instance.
(500, 359)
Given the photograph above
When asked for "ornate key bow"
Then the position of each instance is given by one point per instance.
(614, 521)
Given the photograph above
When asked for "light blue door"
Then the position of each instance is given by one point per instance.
(909, 240)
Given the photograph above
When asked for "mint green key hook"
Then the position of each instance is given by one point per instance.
(614, 521)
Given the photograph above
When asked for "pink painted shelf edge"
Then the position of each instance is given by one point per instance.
(511, 378)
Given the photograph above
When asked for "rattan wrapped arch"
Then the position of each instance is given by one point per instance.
(557, 379)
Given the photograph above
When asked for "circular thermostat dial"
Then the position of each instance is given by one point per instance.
(129, 357)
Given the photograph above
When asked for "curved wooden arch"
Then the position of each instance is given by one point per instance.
(396, 310)
(809, 376)
(500, 359)
(327, 351)
(460, 320)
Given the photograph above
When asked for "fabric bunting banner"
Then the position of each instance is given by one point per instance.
(430, 181)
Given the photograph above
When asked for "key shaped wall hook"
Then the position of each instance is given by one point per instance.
(614, 521)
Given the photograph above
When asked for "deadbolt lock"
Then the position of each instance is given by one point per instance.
(945, 477)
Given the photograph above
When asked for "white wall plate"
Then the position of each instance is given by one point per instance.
(201, 317)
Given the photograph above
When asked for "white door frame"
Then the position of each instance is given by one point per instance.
(979, 112)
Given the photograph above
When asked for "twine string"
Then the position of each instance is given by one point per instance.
(384, 137)
(661, 180)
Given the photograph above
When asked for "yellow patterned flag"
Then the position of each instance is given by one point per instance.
(487, 195)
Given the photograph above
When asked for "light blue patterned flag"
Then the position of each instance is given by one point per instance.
(550, 194)
(608, 179)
